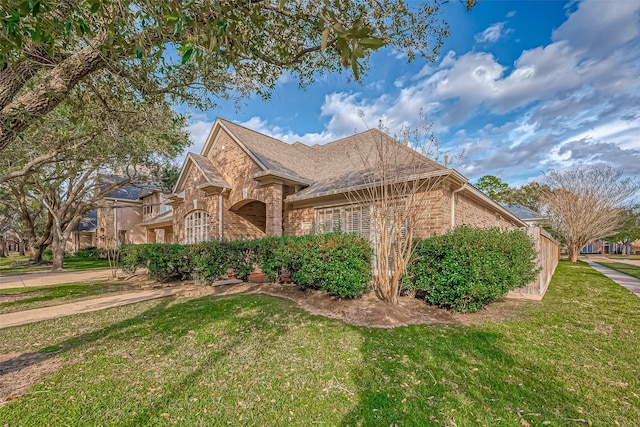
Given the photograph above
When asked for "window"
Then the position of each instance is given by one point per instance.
(350, 219)
(147, 207)
(196, 227)
(328, 220)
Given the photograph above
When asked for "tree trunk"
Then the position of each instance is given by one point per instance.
(35, 253)
(2, 247)
(58, 255)
(21, 244)
(573, 251)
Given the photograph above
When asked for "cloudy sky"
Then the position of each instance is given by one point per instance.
(521, 87)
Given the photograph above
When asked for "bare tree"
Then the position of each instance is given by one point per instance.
(586, 203)
(395, 186)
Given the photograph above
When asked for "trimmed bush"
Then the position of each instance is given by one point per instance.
(337, 263)
(132, 257)
(168, 262)
(467, 268)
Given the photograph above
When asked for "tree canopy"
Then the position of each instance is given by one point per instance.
(586, 203)
(192, 51)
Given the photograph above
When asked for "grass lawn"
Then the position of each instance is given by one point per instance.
(631, 270)
(71, 263)
(255, 360)
(12, 300)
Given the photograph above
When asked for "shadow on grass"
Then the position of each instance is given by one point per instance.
(157, 332)
(451, 377)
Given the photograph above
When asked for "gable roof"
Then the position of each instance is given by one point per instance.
(88, 221)
(351, 162)
(132, 191)
(272, 155)
(208, 171)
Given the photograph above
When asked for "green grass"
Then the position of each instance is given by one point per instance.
(71, 263)
(46, 296)
(255, 360)
(631, 270)
(11, 259)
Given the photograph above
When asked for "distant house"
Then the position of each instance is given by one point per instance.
(529, 216)
(244, 184)
(84, 235)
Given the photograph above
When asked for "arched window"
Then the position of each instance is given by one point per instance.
(196, 227)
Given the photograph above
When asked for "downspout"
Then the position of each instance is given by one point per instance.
(453, 204)
(220, 216)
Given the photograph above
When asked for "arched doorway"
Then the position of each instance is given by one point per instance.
(252, 211)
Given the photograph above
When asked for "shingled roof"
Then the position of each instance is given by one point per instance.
(274, 155)
(333, 167)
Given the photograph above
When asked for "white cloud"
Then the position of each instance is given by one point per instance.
(601, 27)
(491, 34)
(576, 99)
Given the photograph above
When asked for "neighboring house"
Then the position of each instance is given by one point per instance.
(84, 235)
(157, 218)
(247, 185)
(527, 215)
(119, 217)
(605, 247)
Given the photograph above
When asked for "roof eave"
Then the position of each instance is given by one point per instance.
(271, 177)
(445, 173)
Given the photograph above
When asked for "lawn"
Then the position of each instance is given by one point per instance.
(12, 300)
(631, 270)
(254, 360)
(71, 263)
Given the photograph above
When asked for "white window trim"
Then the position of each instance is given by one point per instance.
(196, 227)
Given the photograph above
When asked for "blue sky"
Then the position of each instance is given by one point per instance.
(521, 87)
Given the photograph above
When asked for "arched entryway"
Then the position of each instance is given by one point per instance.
(253, 211)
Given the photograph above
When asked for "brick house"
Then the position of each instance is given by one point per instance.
(247, 185)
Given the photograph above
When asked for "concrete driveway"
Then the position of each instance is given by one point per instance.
(8, 281)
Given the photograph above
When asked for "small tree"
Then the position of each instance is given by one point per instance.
(395, 183)
(586, 203)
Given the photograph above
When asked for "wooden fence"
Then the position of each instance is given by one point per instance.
(548, 256)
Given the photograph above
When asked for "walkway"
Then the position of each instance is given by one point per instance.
(46, 313)
(622, 279)
(46, 278)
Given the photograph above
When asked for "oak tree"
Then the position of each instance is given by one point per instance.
(192, 51)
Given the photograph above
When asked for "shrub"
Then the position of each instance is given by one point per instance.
(90, 252)
(133, 257)
(168, 262)
(337, 263)
(467, 268)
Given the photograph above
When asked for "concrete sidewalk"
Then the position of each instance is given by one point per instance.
(622, 279)
(46, 313)
(52, 278)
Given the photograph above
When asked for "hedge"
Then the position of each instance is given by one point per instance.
(468, 267)
(337, 263)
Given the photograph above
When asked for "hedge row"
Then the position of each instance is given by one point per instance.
(467, 268)
(462, 270)
(337, 263)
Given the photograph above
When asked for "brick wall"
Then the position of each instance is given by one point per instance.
(195, 200)
(300, 221)
(472, 212)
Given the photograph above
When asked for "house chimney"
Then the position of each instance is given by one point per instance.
(446, 160)
(406, 143)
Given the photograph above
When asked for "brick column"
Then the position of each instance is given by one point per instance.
(274, 209)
